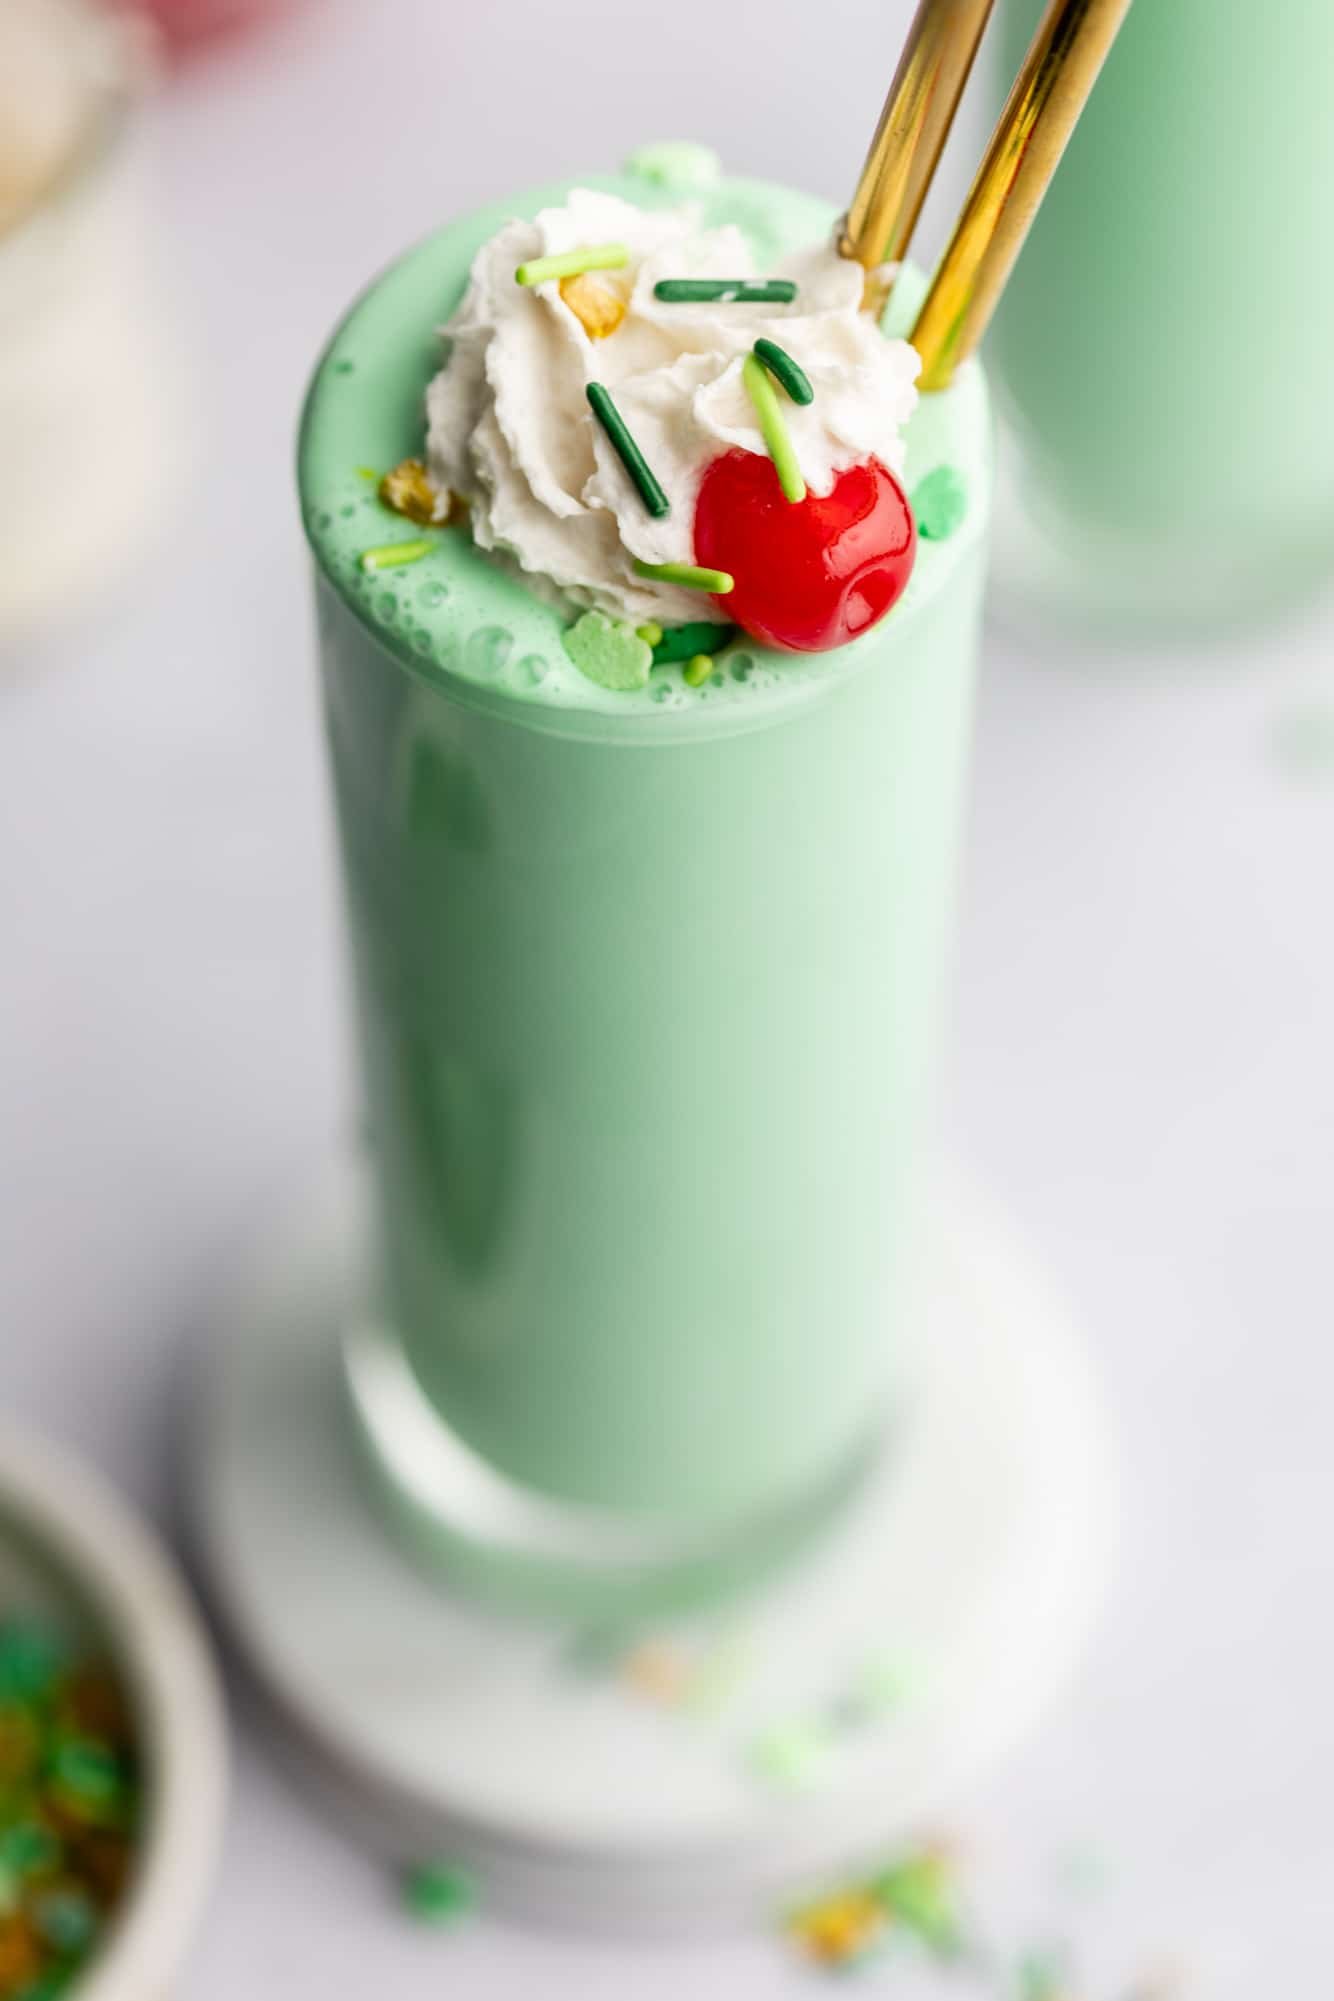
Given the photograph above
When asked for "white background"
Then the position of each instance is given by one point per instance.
(1140, 1057)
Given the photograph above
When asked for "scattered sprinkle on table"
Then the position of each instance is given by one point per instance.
(688, 575)
(772, 428)
(571, 263)
(438, 1893)
(627, 451)
(726, 291)
(393, 555)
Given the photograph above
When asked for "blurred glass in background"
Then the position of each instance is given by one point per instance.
(1161, 357)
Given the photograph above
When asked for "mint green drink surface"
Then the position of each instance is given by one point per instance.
(649, 984)
(1162, 350)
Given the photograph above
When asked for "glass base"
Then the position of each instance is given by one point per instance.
(508, 1543)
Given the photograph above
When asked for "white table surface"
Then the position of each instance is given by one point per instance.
(1140, 1057)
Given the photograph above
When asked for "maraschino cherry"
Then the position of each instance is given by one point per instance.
(807, 574)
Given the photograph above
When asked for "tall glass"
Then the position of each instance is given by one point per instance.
(1161, 356)
(649, 987)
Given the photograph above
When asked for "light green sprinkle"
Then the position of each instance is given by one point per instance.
(368, 473)
(791, 1756)
(786, 372)
(437, 1894)
(697, 671)
(609, 652)
(592, 257)
(651, 634)
(939, 502)
(393, 555)
(772, 428)
(688, 575)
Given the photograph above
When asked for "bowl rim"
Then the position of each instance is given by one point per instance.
(135, 1593)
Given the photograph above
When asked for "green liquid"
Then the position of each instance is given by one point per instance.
(649, 984)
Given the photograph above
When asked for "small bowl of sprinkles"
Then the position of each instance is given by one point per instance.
(111, 1743)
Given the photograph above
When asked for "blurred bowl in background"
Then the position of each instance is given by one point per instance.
(73, 1556)
(89, 398)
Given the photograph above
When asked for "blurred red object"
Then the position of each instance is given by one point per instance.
(186, 23)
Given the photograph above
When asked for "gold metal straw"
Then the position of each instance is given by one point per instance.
(913, 128)
(1052, 89)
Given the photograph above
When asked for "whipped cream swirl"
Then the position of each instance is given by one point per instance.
(510, 429)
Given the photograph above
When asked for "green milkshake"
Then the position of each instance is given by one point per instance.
(1160, 356)
(648, 954)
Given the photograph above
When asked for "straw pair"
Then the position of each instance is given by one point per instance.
(1058, 73)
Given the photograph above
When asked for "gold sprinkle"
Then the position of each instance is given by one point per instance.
(840, 1928)
(597, 306)
(656, 1672)
(408, 490)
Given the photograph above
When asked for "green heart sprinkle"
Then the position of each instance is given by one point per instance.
(773, 429)
(786, 372)
(393, 555)
(939, 502)
(683, 642)
(572, 263)
(609, 652)
(688, 575)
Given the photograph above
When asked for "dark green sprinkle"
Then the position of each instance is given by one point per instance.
(729, 291)
(437, 1894)
(787, 373)
(28, 1848)
(87, 1772)
(684, 642)
(31, 1656)
(628, 452)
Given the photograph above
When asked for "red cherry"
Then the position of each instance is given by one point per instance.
(812, 573)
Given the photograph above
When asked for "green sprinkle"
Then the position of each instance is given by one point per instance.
(594, 257)
(683, 642)
(773, 429)
(651, 634)
(697, 670)
(368, 473)
(791, 1756)
(31, 1657)
(786, 372)
(939, 502)
(728, 291)
(688, 576)
(393, 555)
(628, 452)
(437, 1894)
(609, 652)
(66, 1920)
(28, 1848)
